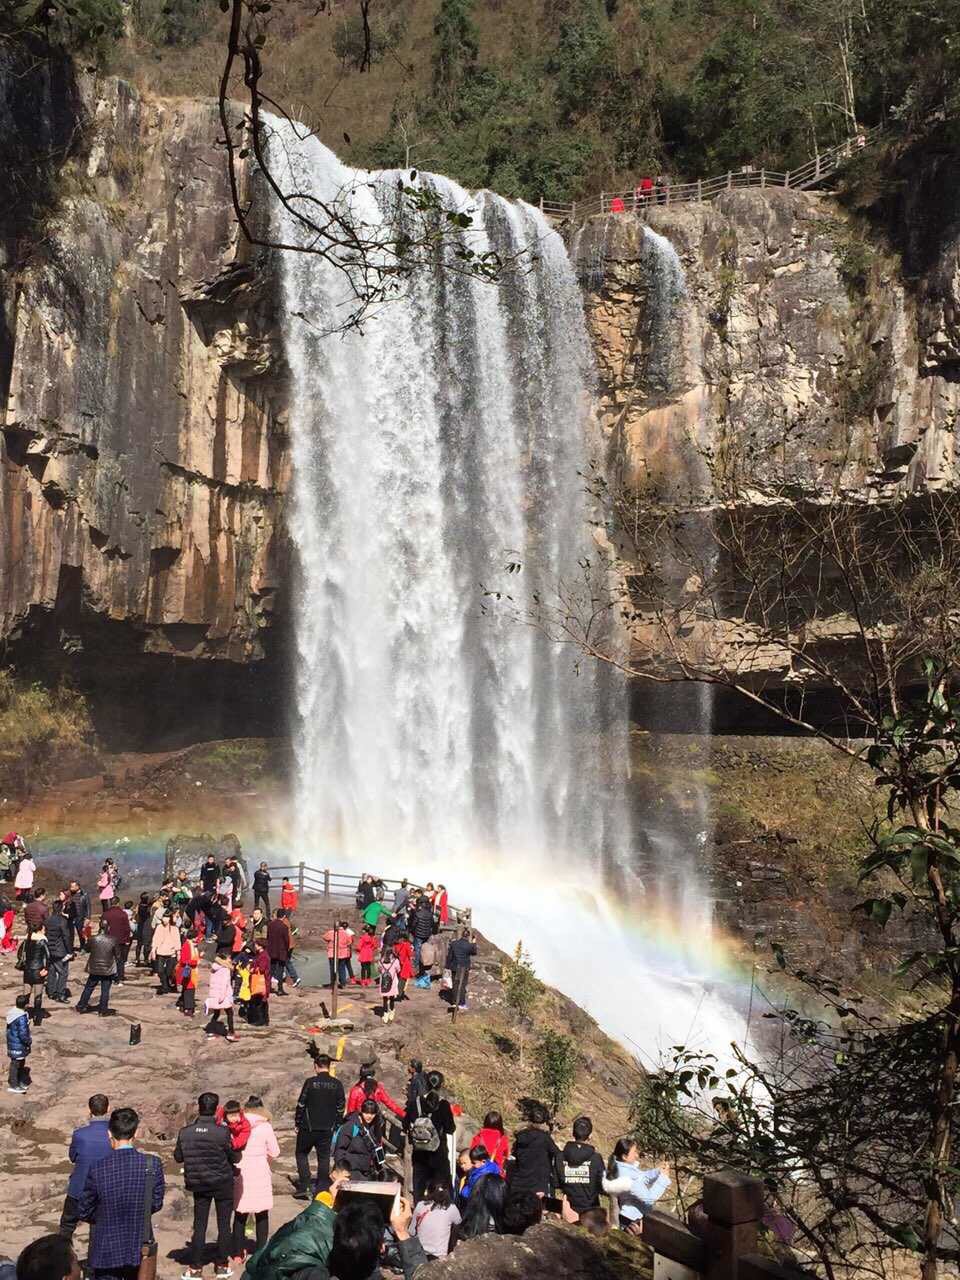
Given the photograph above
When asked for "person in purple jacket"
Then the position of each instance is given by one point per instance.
(88, 1145)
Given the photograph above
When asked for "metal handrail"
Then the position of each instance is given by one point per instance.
(343, 885)
(819, 167)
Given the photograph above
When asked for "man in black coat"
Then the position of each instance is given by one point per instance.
(582, 1169)
(58, 940)
(422, 926)
(319, 1111)
(207, 1155)
(459, 954)
(101, 969)
(77, 913)
(210, 875)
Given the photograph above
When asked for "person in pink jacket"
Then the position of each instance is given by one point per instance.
(220, 995)
(389, 983)
(253, 1188)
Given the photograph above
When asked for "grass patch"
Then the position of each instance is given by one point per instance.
(39, 725)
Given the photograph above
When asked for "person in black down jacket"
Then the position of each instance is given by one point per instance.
(205, 1150)
(433, 1166)
(319, 1111)
(536, 1164)
(36, 962)
(359, 1143)
(58, 940)
(582, 1169)
(421, 924)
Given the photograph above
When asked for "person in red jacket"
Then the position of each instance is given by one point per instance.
(289, 898)
(443, 906)
(493, 1139)
(403, 950)
(368, 1086)
(368, 944)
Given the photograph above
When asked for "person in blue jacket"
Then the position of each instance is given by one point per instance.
(88, 1146)
(19, 1044)
(637, 1190)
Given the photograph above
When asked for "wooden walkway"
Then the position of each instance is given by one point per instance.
(823, 165)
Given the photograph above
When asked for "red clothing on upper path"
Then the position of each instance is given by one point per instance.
(357, 1096)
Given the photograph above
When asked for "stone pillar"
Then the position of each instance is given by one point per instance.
(733, 1204)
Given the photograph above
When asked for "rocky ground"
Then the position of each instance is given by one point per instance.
(75, 1056)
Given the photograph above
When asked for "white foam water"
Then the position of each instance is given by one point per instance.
(443, 441)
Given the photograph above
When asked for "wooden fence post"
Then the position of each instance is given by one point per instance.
(700, 191)
(541, 204)
(602, 202)
(730, 180)
(816, 172)
(326, 884)
(301, 877)
(786, 178)
(763, 178)
(573, 210)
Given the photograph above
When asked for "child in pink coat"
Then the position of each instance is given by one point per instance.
(253, 1188)
(220, 996)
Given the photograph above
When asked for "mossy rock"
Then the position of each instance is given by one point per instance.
(550, 1249)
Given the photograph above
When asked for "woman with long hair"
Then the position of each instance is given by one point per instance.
(636, 1189)
(483, 1211)
(434, 1220)
(493, 1138)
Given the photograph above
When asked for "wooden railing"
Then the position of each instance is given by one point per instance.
(340, 886)
(822, 166)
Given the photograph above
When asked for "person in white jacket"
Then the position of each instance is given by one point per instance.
(637, 1190)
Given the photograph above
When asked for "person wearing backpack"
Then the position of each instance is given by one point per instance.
(389, 983)
(430, 1128)
(359, 1143)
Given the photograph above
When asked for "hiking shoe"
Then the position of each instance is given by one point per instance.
(190, 1274)
(231, 1039)
(19, 1089)
(222, 1273)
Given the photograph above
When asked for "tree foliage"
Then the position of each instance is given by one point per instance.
(557, 1061)
(522, 988)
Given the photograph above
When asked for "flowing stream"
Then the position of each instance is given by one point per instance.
(434, 447)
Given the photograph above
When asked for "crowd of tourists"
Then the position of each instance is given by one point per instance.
(354, 1148)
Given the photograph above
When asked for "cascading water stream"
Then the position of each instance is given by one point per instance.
(428, 450)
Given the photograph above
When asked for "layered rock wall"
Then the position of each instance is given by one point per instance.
(143, 452)
(796, 340)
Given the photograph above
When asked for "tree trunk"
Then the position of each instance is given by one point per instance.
(941, 1134)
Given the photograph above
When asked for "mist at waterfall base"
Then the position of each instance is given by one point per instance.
(433, 739)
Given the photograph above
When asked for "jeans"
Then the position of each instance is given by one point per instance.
(69, 1219)
(18, 1073)
(165, 968)
(417, 947)
(57, 972)
(313, 1140)
(201, 1216)
(123, 950)
(189, 997)
(262, 1221)
(105, 984)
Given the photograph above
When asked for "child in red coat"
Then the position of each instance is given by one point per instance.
(403, 950)
(231, 1114)
(289, 898)
(368, 944)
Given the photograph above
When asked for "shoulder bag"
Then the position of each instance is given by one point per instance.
(148, 1247)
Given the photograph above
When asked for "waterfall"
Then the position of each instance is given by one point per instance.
(434, 739)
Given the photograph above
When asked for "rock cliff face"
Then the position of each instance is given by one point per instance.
(143, 448)
(791, 333)
(144, 462)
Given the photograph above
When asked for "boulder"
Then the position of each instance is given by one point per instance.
(550, 1249)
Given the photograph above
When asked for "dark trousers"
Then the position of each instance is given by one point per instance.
(313, 1140)
(18, 1073)
(57, 973)
(165, 968)
(188, 997)
(262, 1221)
(105, 984)
(213, 1026)
(458, 995)
(69, 1219)
(201, 1216)
(262, 900)
(123, 950)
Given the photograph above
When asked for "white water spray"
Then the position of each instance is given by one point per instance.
(445, 440)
